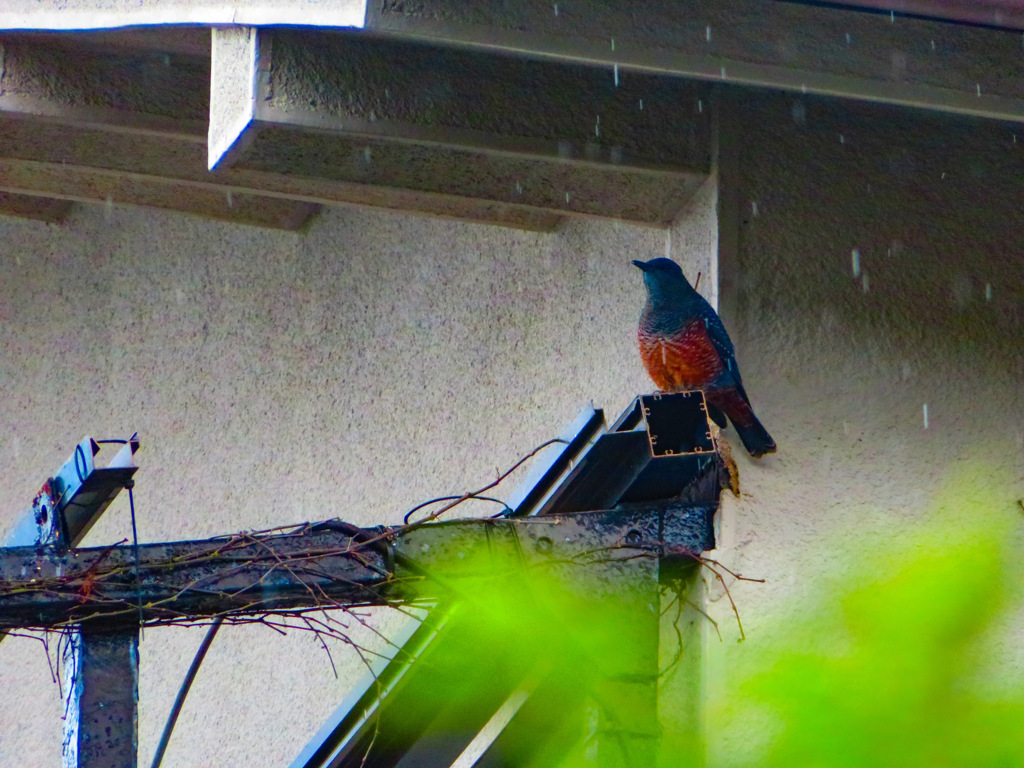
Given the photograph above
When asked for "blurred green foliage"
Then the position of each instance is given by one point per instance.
(913, 656)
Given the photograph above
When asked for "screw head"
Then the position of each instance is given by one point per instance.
(634, 537)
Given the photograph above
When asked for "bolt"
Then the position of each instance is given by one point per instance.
(634, 537)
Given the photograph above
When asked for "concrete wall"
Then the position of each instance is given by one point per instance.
(352, 370)
(840, 366)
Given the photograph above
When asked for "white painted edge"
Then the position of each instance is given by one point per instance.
(45, 15)
(222, 139)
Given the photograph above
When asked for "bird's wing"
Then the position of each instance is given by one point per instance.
(720, 339)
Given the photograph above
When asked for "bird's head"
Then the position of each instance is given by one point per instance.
(663, 277)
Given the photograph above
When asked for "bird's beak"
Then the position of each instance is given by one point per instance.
(641, 265)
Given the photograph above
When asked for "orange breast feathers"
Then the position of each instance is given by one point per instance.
(680, 361)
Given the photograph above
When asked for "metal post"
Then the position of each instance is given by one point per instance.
(101, 727)
(623, 714)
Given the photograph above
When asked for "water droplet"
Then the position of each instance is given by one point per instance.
(892, 17)
(723, 73)
(556, 9)
(924, 411)
(978, 86)
(567, 197)
(615, 69)
(855, 262)
(700, 105)
(753, 207)
(668, 243)
(366, 154)
(842, 139)
(1015, 138)
(847, 38)
(231, 203)
(864, 282)
(519, 188)
(933, 45)
(708, 34)
(597, 127)
(943, 174)
(988, 291)
(642, 106)
(613, 43)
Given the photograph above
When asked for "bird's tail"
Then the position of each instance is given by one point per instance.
(733, 401)
(755, 438)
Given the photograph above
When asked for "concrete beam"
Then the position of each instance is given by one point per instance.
(182, 163)
(563, 138)
(93, 185)
(145, 114)
(31, 207)
(134, 91)
(180, 41)
(809, 48)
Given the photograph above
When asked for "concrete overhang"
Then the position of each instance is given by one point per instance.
(114, 118)
(518, 113)
(806, 47)
(553, 136)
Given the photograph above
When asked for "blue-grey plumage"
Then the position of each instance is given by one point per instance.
(684, 345)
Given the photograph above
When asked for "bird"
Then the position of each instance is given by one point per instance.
(684, 346)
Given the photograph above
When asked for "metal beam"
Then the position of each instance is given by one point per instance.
(805, 48)
(323, 566)
(101, 728)
(558, 137)
(538, 713)
(42, 589)
(390, 690)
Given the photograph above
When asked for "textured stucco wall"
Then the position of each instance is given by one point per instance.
(353, 370)
(839, 367)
